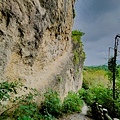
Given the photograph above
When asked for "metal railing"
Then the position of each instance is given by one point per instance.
(100, 113)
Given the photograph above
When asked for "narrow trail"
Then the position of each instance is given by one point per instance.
(78, 116)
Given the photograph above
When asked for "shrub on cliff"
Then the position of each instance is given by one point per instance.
(52, 104)
(8, 87)
(79, 54)
(72, 103)
(53, 107)
(27, 111)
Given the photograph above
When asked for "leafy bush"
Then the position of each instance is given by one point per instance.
(27, 111)
(76, 36)
(25, 108)
(97, 84)
(79, 54)
(48, 117)
(103, 96)
(72, 103)
(117, 107)
(52, 104)
(86, 96)
(6, 88)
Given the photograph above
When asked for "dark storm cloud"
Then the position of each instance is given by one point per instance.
(100, 20)
(92, 9)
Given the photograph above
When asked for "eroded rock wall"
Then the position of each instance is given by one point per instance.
(35, 44)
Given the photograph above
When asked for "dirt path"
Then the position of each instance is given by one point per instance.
(77, 116)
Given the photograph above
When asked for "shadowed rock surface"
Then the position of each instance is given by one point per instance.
(36, 45)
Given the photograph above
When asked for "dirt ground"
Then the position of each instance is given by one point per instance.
(78, 116)
(75, 116)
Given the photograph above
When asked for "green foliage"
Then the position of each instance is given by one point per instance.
(48, 117)
(76, 35)
(53, 107)
(79, 54)
(94, 76)
(117, 94)
(72, 103)
(111, 64)
(6, 91)
(27, 111)
(98, 88)
(27, 98)
(24, 107)
(96, 94)
(94, 68)
(112, 67)
(52, 104)
(6, 88)
(103, 96)
(76, 57)
(117, 107)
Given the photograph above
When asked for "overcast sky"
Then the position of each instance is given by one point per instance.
(100, 21)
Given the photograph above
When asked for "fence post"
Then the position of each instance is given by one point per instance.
(95, 110)
(101, 112)
(106, 116)
(98, 111)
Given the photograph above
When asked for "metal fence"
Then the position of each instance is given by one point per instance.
(100, 113)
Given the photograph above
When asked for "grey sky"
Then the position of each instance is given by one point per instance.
(100, 20)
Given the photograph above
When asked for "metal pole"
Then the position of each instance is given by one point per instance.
(114, 66)
(114, 70)
(109, 52)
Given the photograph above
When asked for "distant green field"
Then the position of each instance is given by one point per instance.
(95, 75)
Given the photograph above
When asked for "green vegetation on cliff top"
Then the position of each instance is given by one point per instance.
(79, 54)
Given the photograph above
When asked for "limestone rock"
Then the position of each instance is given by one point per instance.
(35, 44)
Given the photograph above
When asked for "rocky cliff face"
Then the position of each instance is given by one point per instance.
(35, 44)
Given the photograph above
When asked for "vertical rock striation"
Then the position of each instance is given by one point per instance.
(35, 44)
